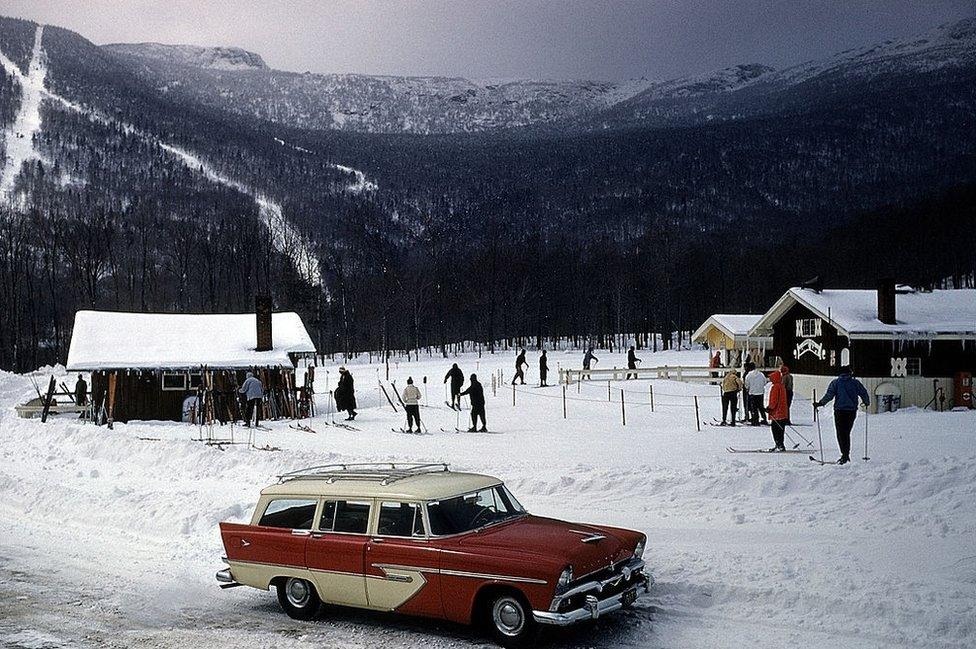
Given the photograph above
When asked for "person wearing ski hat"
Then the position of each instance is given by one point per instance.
(456, 377)
(778, 410)
(788, 386)
(844, 391)
(411, 403)
(731, 384)
(476, 394)
(253, 392)
(543, 369)
(345, 394)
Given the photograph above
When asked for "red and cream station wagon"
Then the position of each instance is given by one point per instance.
(423, 540)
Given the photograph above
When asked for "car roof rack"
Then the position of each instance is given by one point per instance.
(383, 472)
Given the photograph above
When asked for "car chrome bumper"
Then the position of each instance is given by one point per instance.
(594, 606)
(226, 579)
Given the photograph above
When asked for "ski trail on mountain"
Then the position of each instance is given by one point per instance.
(27, 122)
(285, 238)
(361, 185)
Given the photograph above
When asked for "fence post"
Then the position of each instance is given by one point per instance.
(564, 402)
(494, 384)
(513, 394)
(608, 391)
(697, 418)
(650, 391)
(623, 411)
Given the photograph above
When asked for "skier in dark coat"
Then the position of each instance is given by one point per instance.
(543, 369)
(476, 393)
(844, 391)
(456, 377)
(81, 392)
(345, 394)
(588, 359)
(520, 363)
(632, 362)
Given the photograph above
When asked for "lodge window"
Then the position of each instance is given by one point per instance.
(289, 513)
(175, 381)
(344, 516)
(400, 519)
(913, 366)
(808, 327)
(195, 380)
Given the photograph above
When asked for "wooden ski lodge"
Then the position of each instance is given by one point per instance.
(160, 366)
(731, 336)
(909, 347)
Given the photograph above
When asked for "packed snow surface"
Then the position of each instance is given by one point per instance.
(112, 340)
(27, 122)
(110, 537)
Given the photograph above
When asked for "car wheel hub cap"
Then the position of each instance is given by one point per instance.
(508, 617)
(297, 592)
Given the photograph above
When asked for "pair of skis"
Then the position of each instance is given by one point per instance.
(465, 430)
(770, 451)
(302, 427)
(408, 432)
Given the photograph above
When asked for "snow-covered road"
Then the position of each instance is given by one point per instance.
(112, 540)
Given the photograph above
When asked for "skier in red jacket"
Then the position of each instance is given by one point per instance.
(779, 410)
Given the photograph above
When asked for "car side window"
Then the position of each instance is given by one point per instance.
(327, 519)
(351, 516)
(400, 519)
(289, 513)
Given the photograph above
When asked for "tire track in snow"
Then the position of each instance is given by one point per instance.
(27, 122)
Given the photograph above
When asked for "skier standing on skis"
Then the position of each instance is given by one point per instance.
(411, 403)
(756, 385)
(788, 385)
(588, 359)
(543, 369)
(345, 394)
(632, 362)
(731, 385)
(778, 410)
(476, 393)
(520, 362)
(253, 392)
(456, 377)
(844, 391)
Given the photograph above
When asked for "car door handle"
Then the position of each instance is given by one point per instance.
(376, 540)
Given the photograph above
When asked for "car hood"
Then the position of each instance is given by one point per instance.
(557, 540)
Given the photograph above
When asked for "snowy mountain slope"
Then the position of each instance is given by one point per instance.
(211, 58)
(386, 104)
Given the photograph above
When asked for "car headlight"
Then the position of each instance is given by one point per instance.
(639, 550)
(565, 578)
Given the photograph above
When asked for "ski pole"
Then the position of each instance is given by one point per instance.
(795, 443)
(819, 435)
(791, 426)
(866, 458)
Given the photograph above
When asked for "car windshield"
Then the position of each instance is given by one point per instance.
(473, 510)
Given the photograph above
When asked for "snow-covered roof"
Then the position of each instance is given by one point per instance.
(854, 312)
(105, 340)
(733, 325)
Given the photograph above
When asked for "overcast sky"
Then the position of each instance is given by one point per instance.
(502, 38)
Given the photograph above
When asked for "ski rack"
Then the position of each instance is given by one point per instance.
(383, 472)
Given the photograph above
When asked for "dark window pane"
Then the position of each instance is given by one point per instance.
(327, 520)
(289, 514)
(399, 519)
(351, 517)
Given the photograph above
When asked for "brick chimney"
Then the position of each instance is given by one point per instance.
(886, 301)
(262, 311)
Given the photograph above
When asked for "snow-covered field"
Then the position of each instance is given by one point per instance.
(111, 540)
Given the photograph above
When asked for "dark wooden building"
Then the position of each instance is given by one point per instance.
(908, 347)
(152, 366)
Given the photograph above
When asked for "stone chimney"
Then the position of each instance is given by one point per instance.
(886, 301)
(262, 311)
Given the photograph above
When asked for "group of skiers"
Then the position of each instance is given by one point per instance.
(521, 364)
(845, 391)
(475, 394)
